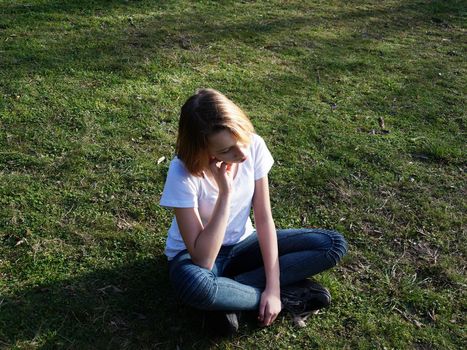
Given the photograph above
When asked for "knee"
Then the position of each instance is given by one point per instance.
(194, 285)
(338, 248)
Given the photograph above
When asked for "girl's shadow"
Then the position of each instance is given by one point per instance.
(130, 306)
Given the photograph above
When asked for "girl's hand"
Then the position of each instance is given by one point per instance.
(269, 307)
(222, 175)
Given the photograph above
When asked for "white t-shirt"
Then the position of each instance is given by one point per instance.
(183, 190)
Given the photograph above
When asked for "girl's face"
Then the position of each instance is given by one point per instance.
(224, 147)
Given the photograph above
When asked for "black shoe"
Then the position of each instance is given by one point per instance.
(222, 323)
(304, 298)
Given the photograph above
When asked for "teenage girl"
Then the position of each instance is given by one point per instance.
(218, 260)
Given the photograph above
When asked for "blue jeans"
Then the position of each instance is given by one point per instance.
(238, 279)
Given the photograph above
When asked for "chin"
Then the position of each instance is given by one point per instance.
(234, 161)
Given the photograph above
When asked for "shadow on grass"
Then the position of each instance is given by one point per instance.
(140, 39)
(84, 39)
(131, 306)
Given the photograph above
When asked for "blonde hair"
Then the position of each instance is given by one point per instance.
(203, 114)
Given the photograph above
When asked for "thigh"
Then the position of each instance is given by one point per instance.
(203, 289)
(246, 255)
(297, 240)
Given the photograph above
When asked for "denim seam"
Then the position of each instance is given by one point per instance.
(189, 291)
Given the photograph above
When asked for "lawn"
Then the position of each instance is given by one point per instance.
(361, 103)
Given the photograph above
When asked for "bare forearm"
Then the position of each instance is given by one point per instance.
(266, 234)
(268, 244)
(209, 240)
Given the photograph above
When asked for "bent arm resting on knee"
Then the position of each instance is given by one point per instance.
(266, 230)
(204, 243)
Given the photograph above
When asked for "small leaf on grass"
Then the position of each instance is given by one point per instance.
(417, 138)
(382, 126)
(381, 122)
(110, 288)
(24, 240)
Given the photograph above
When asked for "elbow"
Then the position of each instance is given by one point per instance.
(207, 266)
(204, 263)
(201, 259)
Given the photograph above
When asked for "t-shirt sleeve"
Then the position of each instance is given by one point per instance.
(180, 189)
(263, 158)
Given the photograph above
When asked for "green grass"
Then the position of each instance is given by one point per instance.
(89, 99)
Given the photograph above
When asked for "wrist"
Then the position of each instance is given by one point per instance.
(275, 289)
(224, 193)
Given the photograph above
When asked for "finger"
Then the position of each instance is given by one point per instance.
(267, 318)
(213, 167)
(266, 315)
(215, 164)
(222, 168)
(261, 312)
(272, 319)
